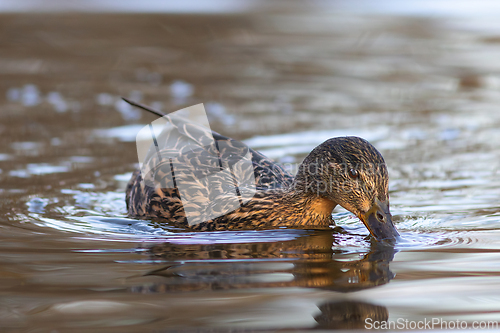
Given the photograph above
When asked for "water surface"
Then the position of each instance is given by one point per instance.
(424, 91)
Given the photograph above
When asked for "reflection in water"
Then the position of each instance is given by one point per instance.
(349, 315)
(309, 261)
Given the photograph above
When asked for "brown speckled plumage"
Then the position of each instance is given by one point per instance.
(275, 204)
(325, 179)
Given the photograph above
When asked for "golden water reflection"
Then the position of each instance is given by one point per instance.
(308, 262)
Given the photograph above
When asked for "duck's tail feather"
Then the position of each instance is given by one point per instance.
(217, 136)
(144, 107)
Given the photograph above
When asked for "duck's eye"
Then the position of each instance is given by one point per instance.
(353, 173)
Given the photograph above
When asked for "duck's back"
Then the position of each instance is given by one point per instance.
(162, 199)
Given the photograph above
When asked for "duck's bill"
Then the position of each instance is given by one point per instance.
(378, 220)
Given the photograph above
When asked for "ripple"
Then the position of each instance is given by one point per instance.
(126, 229)
(416, 233)
(102, 227)
(426, 240)
(102, 216)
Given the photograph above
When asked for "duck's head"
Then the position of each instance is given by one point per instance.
(350, 172)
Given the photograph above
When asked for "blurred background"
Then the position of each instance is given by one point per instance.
(418, 79)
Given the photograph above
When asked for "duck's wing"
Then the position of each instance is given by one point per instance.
(193, 184)
(189, 168)
(180, 135)
(268, 173)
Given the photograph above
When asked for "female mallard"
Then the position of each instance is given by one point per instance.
(345, 171)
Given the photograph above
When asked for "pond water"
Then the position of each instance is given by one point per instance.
(424, 90)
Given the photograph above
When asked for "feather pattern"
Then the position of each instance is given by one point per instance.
(325, 179)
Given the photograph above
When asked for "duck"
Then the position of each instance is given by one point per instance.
(342, 171)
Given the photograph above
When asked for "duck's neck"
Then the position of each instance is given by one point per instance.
(284, 208)
(307, 211)
(305, 205)
(276, 208)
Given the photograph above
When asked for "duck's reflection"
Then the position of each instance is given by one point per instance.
(349, 315)
(311, 261)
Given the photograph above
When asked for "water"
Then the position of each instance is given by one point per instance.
(424, 90)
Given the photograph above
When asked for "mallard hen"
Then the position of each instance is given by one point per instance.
(345, 171)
